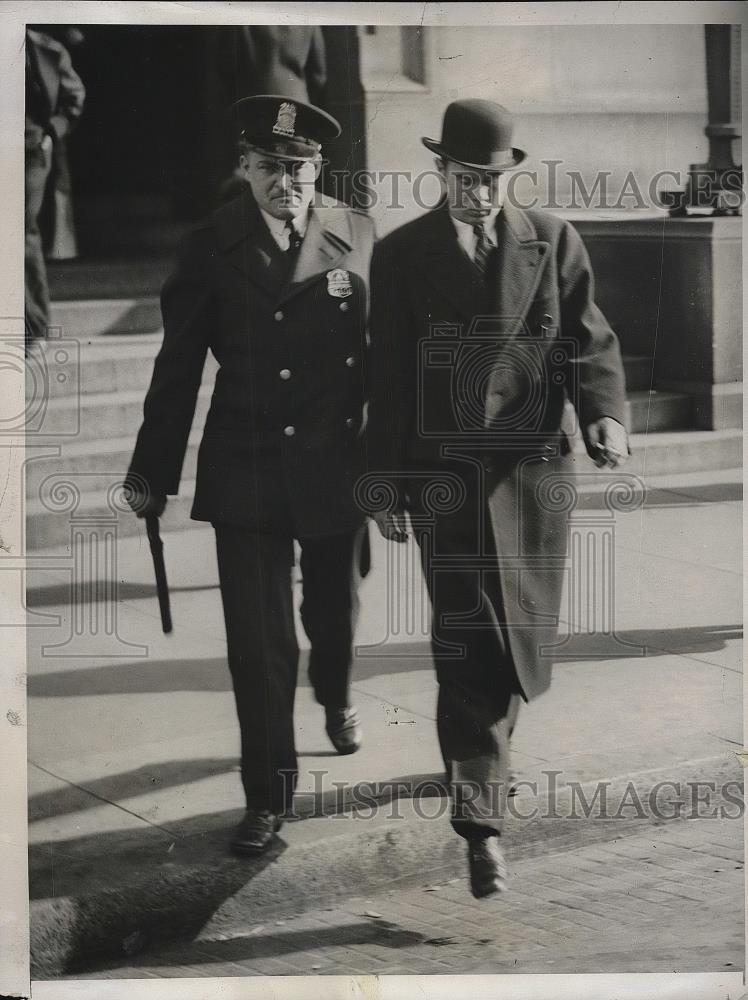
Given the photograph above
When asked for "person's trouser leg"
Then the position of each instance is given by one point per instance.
(35, 271)
(479, 694)
(255, 573)
(330, 569)
(474, 737)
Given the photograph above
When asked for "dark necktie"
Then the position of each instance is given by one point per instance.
(482, 250)
(294, 240)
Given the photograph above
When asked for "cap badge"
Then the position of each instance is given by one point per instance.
(286, 121)
(339, 284)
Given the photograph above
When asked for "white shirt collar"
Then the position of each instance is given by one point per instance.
(278, 229)
(467, 237)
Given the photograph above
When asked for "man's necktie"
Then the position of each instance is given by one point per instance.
(482, 250)
(294, 240)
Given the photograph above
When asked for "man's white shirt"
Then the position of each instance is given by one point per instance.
(278, 229)
(467, 237)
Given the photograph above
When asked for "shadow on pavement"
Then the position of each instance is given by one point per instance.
(244, 949)
(56, 594)
(108, 861)
(205, 674)
(654, 642)
(135, 677)
(684, 496)
(62, 867)
(211, 674)
(153, 778)
(116, 900)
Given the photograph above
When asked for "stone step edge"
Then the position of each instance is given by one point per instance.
(95, 500)
(652, 440)
(126, 397)
(643, 395)
(122, 397)
(71, 933)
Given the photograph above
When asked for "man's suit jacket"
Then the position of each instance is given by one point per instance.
(517, 353)
(281, 448)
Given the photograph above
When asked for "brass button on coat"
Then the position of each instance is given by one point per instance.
(289, 431)
(285, 374)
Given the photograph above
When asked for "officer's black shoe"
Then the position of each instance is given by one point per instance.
(344, 729)
(255, 832)
(487, 866)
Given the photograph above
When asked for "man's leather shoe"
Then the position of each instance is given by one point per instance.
(255, 832)
(343, 728)
(487, 866)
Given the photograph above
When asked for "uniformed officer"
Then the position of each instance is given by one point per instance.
(275, 285)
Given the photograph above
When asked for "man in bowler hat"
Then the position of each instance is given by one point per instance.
(483, 332)
(274, 284)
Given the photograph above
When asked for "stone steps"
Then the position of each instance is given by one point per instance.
(117, 412)
(104, 462)
(638, 368)
(92, 388)
(649, 411)
(47, 530)
(94, 318)
(77, 280)
(654, 456)
(100, 416)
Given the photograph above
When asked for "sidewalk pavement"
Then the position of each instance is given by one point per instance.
(616, 907)
(134, 784)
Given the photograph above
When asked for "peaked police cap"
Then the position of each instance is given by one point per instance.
(283, 128)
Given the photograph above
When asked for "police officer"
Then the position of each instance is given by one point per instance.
(275, 285)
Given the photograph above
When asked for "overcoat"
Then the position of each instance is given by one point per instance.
(60, 94)
(281, 447)
(519, 354)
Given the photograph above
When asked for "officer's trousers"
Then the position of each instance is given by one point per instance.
(479, 693)
(256, 577)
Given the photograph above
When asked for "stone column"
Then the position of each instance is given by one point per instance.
(717, 184)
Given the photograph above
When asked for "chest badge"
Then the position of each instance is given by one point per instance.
(339, 283)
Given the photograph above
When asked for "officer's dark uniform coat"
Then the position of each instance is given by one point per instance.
(281, 448)
(541, 296)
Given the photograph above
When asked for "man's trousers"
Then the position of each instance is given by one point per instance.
(479, 694)
(256, 577)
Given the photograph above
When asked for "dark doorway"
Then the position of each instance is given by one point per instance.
(140, 156)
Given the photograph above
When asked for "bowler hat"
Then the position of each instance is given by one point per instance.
(477, 134)
(283, 128)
